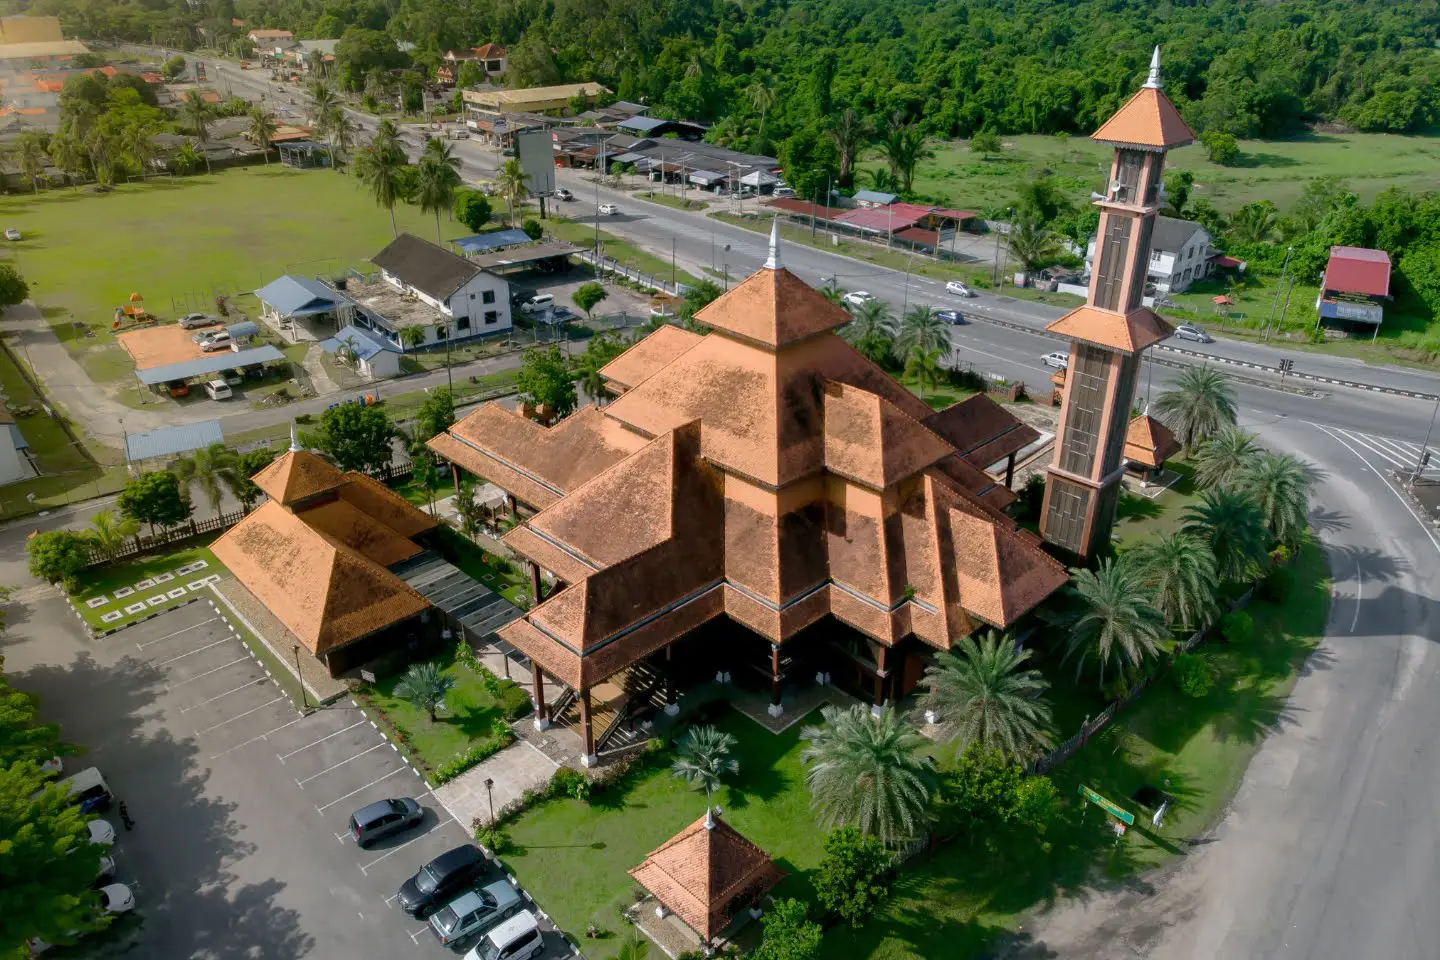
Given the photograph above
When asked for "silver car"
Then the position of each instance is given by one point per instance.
(1188, 331)
(192, 320)
(475, 912)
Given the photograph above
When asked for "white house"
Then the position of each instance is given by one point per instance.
(1179, 254)
(375, 357)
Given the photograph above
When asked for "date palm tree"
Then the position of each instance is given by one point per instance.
(1114, 622)
(871, 331)
(512, 183)
(923, 366)
(1201, 404)
(1280, 489)
(1179, 574)
(109, 532)
(1220, 460)
(705, 758)
(761, 97)
(262, 128)
(378, 167)
(1031, 243)
(208, 467)
(196, 114)
(865, 771)
(983, 695)
(439, 178)
(1232, 524)
(922, 329)
(834, 293)
(424, 686)
(849, 135)
(30, 157)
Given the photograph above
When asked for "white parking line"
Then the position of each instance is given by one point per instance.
(353, 792)
(182, 656)
(243, 686)
(238, 716)
(150, 643)
(340, 764)
(394, 850)
(415, 937)
(283, 757)
(217, 756)
(172, 686)
(391, 899)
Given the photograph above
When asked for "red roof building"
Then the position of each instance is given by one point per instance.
(1354, 288)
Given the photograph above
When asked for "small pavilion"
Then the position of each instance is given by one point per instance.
(1148, 444)
(706, 871)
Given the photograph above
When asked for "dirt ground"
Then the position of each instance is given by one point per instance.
(157, 346)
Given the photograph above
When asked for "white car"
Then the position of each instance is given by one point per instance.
(1057, 359)
(608, 209)
(1188, 331)
(959, 289)
(563, 194)
(12, 234)
(117, 898)
(857, 299)
(101, 832)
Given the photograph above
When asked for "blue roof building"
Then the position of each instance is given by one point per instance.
(292, 296)
(375, 356)
(169, 441)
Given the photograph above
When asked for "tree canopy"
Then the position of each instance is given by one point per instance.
(355, 437)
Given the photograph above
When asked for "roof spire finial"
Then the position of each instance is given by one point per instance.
(294, 439)
(774, 262)
(1154, 80)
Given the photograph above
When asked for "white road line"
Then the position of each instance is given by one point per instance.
(1368, 445)
(182, 656)
(248, 683)
(415, 937)
(1408, 451)
(366, 787)
(1359, 595)
(172, 686)
(262, 736)
(1423, 525)
(150, 643)
(282, 757)
(340, 764)
(394, 850)
(239, 715)
(965, 346)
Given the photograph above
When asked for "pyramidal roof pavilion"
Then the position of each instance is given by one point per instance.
(767, 471)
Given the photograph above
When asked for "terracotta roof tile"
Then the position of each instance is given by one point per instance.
(1130, 332)
(297, 475)
(1148, 119)
(774, 308)
(701, 871)
(550, 555)
(868, 439)
(1149, 442)
(1001, 577)
(649, 355)
(367, 536)
(505, 476)
(376, 500)
(983, 431)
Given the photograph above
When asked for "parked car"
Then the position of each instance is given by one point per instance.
(783, 193)
(441, 879)
(383, 818)
(12, 234)
(475, 912)
(117, 898)
(959, 289)
(563, 194)
(192, 320)
(101, 832)
(1188, 331)
(206, 335)
(518, 938)
(107, 871)
(952, 317)
(608, 209)
(1057, 359)
(858, 298)
(537, 303)
(89, 790)
(215, 344)
(218, 390)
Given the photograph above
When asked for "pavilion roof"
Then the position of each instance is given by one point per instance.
(1127, 332)
(297, 475)
(1147, 120)
(1149, 442)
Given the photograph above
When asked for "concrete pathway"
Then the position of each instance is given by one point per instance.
(517, 768)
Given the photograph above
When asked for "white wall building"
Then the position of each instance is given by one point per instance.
(1179, 255)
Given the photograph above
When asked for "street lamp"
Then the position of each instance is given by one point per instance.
(304, 703)
(490, 799)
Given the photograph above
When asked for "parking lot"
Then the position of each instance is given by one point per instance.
(256, 824)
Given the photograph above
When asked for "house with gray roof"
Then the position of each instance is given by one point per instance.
(1180, 254)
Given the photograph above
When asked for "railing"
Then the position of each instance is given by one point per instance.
(140, 543)
(607, 266)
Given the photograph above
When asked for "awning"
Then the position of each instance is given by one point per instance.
(213, 363)
(706, 177)
(169, 441)
(479, 609)
(245, 328)
(492, 241)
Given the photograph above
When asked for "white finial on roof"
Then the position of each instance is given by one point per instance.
(774, 262)
(294, 439)
(1154, 81)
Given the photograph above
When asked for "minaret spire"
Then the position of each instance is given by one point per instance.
(294, 439)
(774, 262)
(1153, 82)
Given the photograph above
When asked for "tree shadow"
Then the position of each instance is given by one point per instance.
(1323, 520)
(1133, 507)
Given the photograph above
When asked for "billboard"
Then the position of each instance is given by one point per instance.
(537, 159)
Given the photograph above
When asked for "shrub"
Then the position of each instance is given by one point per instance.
(501, 736)
(1278, 584)
(1238, 627)
(1193, 674)
(566, 782)
(491, 838)
(855, 875)
(789, 933)
(56, 556)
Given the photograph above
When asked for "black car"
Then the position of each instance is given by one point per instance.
(436, 883)
(952, 317)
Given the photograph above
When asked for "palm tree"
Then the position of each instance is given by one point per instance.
(209, 467)
(922, 329)
(138, 145)
(412, 336)
(593, 385)
(704, 759)
(341, 130)
(439, 178)
(1278, 486)
(197, 114)
(871, 331)
(865, 771)
(1254, 222)
(1200, 405)
(424, 685)
(100, 147)
(983, 695)
(635, 947)
(1220, 460)
(322, 96)
(904, 148)
(849, 134)
(1031, 243)
(378, 167)
(882, 180)
(1179, 573)
(30, 156)
(67, 154)
(109, 531)
(511, 182)
(833, 293)
(761, 97)
(1231, 523)
(1115, 621)
(187, 158)
(923, 366)
(262, 128)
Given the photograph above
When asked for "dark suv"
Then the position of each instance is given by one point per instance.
(382, 818)
(440, 880)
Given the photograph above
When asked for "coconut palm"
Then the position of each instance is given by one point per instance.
(341, 130)
(412, 336)
(904, 148)
(984, 695)
(1220, 460)
(511, 181)
(849, 135)
(196, 114)
(1199, 406)
(67, 154)
(922, 329)
(761, 97)
(424, 685)
(1114, 622)
(923, 366)
(1254, 222)
(1280, 490)
(1179, 574)
(1232, 524)
(704, 759)
(378, 167)
(100, 147)
(322, 97)
(109, 532)
(593, 385)
(1031, 243)
(439, 178)
(208, 468)
(865, 771)
(30, 156)
(262, 128)
(137, 143)
(871, 331)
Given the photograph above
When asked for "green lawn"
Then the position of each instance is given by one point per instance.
(1138, 517)
(105, 580)
(573, 856)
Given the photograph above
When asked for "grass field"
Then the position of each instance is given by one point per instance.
(104, 581)
(1138, 518)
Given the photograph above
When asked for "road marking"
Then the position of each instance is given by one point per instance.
(172, 686)
(353, 792)
(198, 650)
(1359, 595)
(965, 346)
(1374, 448)
(177, 633)
(262, 736)
(1423, 525)
(340, 764)
(415, 937)
(394, 850)
(247, 683)
(283, 758)
(238, 716)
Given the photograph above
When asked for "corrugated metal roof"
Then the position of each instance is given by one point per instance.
(297, 296)
(246, 328)
(492, 241)
(17, 439)
(168, 441)
(874, 196)
(642, 124)
(363, 343)
(214, 363)
(1358, 270)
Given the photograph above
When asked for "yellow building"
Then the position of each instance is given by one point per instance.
(29, 30)
(532, 100)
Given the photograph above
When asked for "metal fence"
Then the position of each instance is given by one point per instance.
(610, 267)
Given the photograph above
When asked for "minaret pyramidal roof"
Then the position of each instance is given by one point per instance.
(1148, 119)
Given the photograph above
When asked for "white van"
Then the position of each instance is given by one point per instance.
(218, 390)
(538, 303)
(518, 938)
(89, 789)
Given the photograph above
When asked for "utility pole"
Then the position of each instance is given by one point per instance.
(672, 264)
(1278, 288)
(1424, 457)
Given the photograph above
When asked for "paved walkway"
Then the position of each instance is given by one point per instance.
(512, 771)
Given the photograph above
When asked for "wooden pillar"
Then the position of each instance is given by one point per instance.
(775, 709)
(587, 732)
(455, 477)
(1010, 471)
(880, 678)
(671, 707)
(542, 712)
(534, 569)
(510, 504)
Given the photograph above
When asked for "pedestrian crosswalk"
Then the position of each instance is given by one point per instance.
(1386, 453)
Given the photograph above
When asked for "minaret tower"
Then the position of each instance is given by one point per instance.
(1111, 330)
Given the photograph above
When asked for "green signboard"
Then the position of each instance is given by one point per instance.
(1119, 813)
